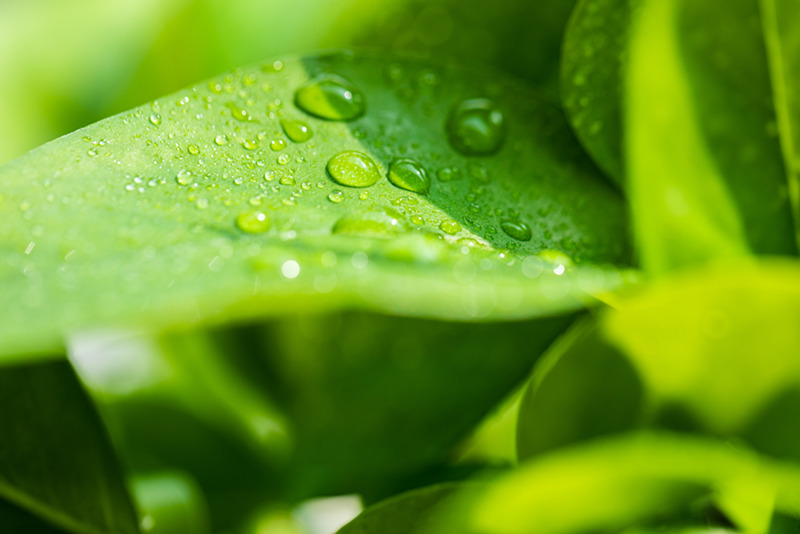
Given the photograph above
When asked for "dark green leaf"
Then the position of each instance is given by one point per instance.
(55, 459)
(134, 220)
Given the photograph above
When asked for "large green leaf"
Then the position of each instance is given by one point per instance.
(676, 103)
(57, 469)
(646, 480)
(732, 371)
(134, 220)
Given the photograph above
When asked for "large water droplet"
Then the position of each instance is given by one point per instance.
(297, 131)
(409, 175)
(353, 169)
(330, 97)
(476, 127)
(253, 222)
(450, 227)
(517, 229)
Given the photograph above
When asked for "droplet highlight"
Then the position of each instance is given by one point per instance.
(253, 222)
(409, 175)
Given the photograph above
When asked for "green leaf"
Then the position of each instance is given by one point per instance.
(781, 30)
(138, 220)
(406, 513)
(732, 371)
(644, 480)
(677, 105)
(55, 460)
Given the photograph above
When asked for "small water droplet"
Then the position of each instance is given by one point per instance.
(476, 127)
(516, 229)
(253, 222)
(193, 149)
(330, 97)
(155, 119)
(353, 169)
(215, 87)
(449, 174)
(277, 145)
(450, 227)
(409, 175)
(221, 139)
(364, 195)
(418, 220)
(269, 176)
(250, 144)
(336, 197)
(184, 177)
(287, 180)
(297, 131)
(240, 114)
(283, 159)
(91, 152)
(373, 223)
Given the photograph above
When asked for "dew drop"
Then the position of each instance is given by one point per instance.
(221, 139)
(516, 229)
(330, 97)
(374, 223)
(283, 159)
(184, 177)
(450, 227)
(253, 222)
(409, 175)
(336, 197)
(240, 114)
(297, 131)
(155, 119)
(353, 169)
(277, 144)
(250, 144)
(193, 149)
(449, 174)
(476, 127)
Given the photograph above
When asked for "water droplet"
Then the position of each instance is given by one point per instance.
(297, 131)
(374, 223)
(155, 119)
(240, 114)
(221, 139)
(250, 144)
(269, 176)
(184, 177)
(91, 152)
(215, 87)
(193, 150)
(448, 174)
(450, 227)
(418, 220)
(336, 197)
(283, 159)
(476, 127)
(409, 175)
(517, 229)
(330, 97)
(353, 169)
(364, 195)
(253, 222)
(287, 180)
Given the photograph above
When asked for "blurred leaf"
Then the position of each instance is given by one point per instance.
(644, 480)
(374, 399)
(781, 26)
(56, 466)
(594, 56)
(134, 220)
(732, 371)
(583, 388)
(519, 36)
(698, 131)
(402, 514)
(171, 503)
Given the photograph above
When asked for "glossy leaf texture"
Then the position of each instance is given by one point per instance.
(691, 120)
(58, 472)
(204, 207)
(640, 481)
(731, 372)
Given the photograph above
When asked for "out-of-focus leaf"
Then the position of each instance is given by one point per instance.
(403, 514)
(642, 480)
(781, 26)
(732, 371)
(170, 503)
(373, 399)
(134, 220)
(57, 469)
(521, 37)
(695, 142)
